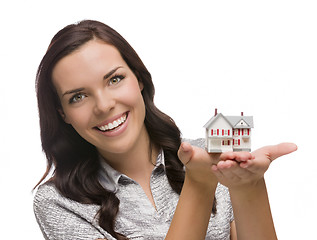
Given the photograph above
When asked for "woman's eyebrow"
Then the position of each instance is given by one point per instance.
(73, 91)
(111, 72)
(81, 89)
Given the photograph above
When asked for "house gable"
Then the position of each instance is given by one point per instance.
(217, 122)
(241, 124)
(241, 121)
(219, 125)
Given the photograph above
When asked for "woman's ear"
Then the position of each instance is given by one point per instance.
(61, 112)
(141, 86)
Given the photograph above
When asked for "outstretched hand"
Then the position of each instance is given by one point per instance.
(235, 170)
(232, 169)
(198, 163)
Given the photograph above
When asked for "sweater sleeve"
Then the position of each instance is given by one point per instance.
(61, 218)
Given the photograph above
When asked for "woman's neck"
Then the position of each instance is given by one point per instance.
(138, 162)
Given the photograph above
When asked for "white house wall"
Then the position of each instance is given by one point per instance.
(215, 145)
(219, 123)
(214, 142)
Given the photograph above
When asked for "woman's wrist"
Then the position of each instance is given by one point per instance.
(249, 188)
(205, 184)
(251, 192)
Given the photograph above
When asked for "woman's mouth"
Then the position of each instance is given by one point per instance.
(114, 124)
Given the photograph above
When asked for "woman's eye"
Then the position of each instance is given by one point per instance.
(77, 98)
(116, 79)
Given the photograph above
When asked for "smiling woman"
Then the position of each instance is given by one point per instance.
(95, 101)
(120, 170)
(108, 92)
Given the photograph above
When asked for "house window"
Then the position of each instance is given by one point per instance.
(214, 132)
(225, 132)
(236, 142)
(246, 132)
(236, 132)
(226, 142)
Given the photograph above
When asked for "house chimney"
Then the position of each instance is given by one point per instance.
(241, 114)
(216, 111)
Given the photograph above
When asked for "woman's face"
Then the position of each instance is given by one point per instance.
(101, 97)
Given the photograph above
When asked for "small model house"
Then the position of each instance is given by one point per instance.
(228, 133)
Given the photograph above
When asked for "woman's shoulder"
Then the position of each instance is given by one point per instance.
(46, 191)
(62, 218)
(47, 200)
(48, 196)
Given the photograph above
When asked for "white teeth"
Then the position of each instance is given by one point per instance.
(114, 124)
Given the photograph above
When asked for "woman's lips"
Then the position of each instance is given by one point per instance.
(114, 126)
(113, 123)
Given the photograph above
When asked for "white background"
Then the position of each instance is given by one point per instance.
(258, 57)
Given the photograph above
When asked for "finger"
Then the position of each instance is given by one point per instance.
(281, 149)
(222, 165)
(185, 152)
(253, 168)
(247, 164)
(227, 156)
(231, 166)
(237, 156)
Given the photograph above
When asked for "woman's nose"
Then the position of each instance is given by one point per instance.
(104, 102)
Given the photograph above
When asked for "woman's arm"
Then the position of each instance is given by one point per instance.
(233, 231)
(193, 211)
(245, 180)
(252, 212)
(194, 207)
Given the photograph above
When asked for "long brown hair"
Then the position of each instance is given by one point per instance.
(75, 161)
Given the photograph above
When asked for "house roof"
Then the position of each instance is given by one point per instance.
(214, 119)
(233, 121)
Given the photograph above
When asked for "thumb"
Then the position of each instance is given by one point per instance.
(185, 152)
(281, 149)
